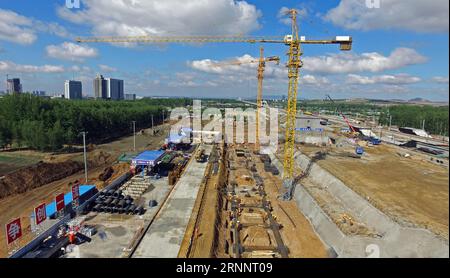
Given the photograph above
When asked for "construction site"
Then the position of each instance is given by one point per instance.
(327, 188)
(226, 201)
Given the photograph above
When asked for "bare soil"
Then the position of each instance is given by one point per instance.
(296, 231)
(413, 191)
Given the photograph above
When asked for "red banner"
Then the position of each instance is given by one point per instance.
(75, 192)
(13, 231)
(40, 214)
(59, 199)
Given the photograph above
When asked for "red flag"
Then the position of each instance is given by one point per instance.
(40, 214)
(13, 231)
(59, 199)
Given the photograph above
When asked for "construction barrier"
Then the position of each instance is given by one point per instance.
(54, 228)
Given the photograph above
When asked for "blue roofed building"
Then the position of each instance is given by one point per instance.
(147, 158)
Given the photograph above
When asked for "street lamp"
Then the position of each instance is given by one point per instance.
(85, 156)
(134, 135)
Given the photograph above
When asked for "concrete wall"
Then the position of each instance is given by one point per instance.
(311, 137)
(396, 240)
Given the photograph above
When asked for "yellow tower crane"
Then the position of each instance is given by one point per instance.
(261, 68)
(293, 41)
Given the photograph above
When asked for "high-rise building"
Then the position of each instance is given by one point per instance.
(130, 96)
(115, 89)
(38, 93)
(13, 86)
(100, 87)
(73, 89)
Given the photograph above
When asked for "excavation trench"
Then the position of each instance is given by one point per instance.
(239, 215)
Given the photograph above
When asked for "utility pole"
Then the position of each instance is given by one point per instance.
(390, 122)
(153, 131)
(423, 124)
(85, 156)
(134, 135)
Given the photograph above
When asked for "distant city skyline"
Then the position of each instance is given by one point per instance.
(73, 89)
(13, 85)
(392, 57)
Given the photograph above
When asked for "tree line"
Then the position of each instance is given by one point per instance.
(436, 118)
(48, 124)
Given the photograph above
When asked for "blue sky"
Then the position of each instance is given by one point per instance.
(400, 49)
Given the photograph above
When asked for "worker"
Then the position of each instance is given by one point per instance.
(72, 237)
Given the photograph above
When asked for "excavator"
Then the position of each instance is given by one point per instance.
(353, 132)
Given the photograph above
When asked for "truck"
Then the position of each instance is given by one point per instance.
(375, 141)
(359, 150)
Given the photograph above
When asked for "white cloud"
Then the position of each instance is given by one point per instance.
(7, 66)
(165, 17)
(413, 15)
(16, 28)
(230, 73)
(81, 70)
(238, 64)
(309, 79)
(440, 79)
(365, 62)
(239, 69)
(22, 30)
(399, 79)
(284, 18)
(71, 52)
(51, 28)
(106, 68)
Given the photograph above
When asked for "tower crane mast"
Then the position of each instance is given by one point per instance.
(293, 41)
(261, 69)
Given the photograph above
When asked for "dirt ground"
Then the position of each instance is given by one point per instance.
(413, 191)
(99, 158)
(296, 232)
(35, 176)
(201, 229)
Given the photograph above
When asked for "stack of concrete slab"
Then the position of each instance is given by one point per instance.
(136, 186)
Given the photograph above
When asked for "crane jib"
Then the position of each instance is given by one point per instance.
(294, 41)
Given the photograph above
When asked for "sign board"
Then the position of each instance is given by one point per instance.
(75, 195)
(13, 231)
(40, 214)
(59, 199)
(75, 192)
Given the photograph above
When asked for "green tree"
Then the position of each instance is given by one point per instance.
(56, 136)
